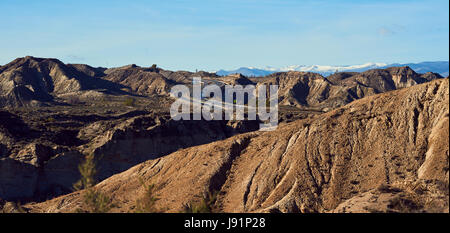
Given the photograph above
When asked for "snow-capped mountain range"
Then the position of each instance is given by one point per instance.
(441, 67)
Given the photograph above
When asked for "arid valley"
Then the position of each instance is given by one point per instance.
(372, 141)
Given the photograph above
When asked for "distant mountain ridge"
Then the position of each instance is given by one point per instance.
(440, 67)
(31, 81)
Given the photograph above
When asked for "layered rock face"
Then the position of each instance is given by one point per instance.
(142, 81)
(355, 150)
(386, 152)
(42, 169)
(31, 81)
(311, 90)
(27, 79)
(73, 110)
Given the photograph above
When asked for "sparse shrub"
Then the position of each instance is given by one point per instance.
(131, 102)
(94, 201)
(206, 205)
(146, 204)
(88, 171)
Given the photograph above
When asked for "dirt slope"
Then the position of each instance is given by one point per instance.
(389, 141)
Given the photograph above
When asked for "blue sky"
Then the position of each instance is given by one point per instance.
(225, 34)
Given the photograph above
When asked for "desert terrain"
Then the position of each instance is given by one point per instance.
(373, 141)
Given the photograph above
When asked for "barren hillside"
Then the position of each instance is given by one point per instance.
(387, 152)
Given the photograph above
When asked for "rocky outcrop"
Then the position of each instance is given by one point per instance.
(237, 79)
(35, 154)
(436, 165)
(139, 80)
(31, 81)
(421, 196)
(310, 90)
(186, 77)
(142, 138)
(117, 145)
(397, 141)
(89, 70)
(300, 88)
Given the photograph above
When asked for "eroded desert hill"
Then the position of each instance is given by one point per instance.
(311, 90)
(37, 165)
(54, 114)
(31, 81)
(386, 152)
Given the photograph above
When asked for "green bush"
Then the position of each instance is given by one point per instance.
(206, 205)
(93, 200)
(146, 204)
(88, 172)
